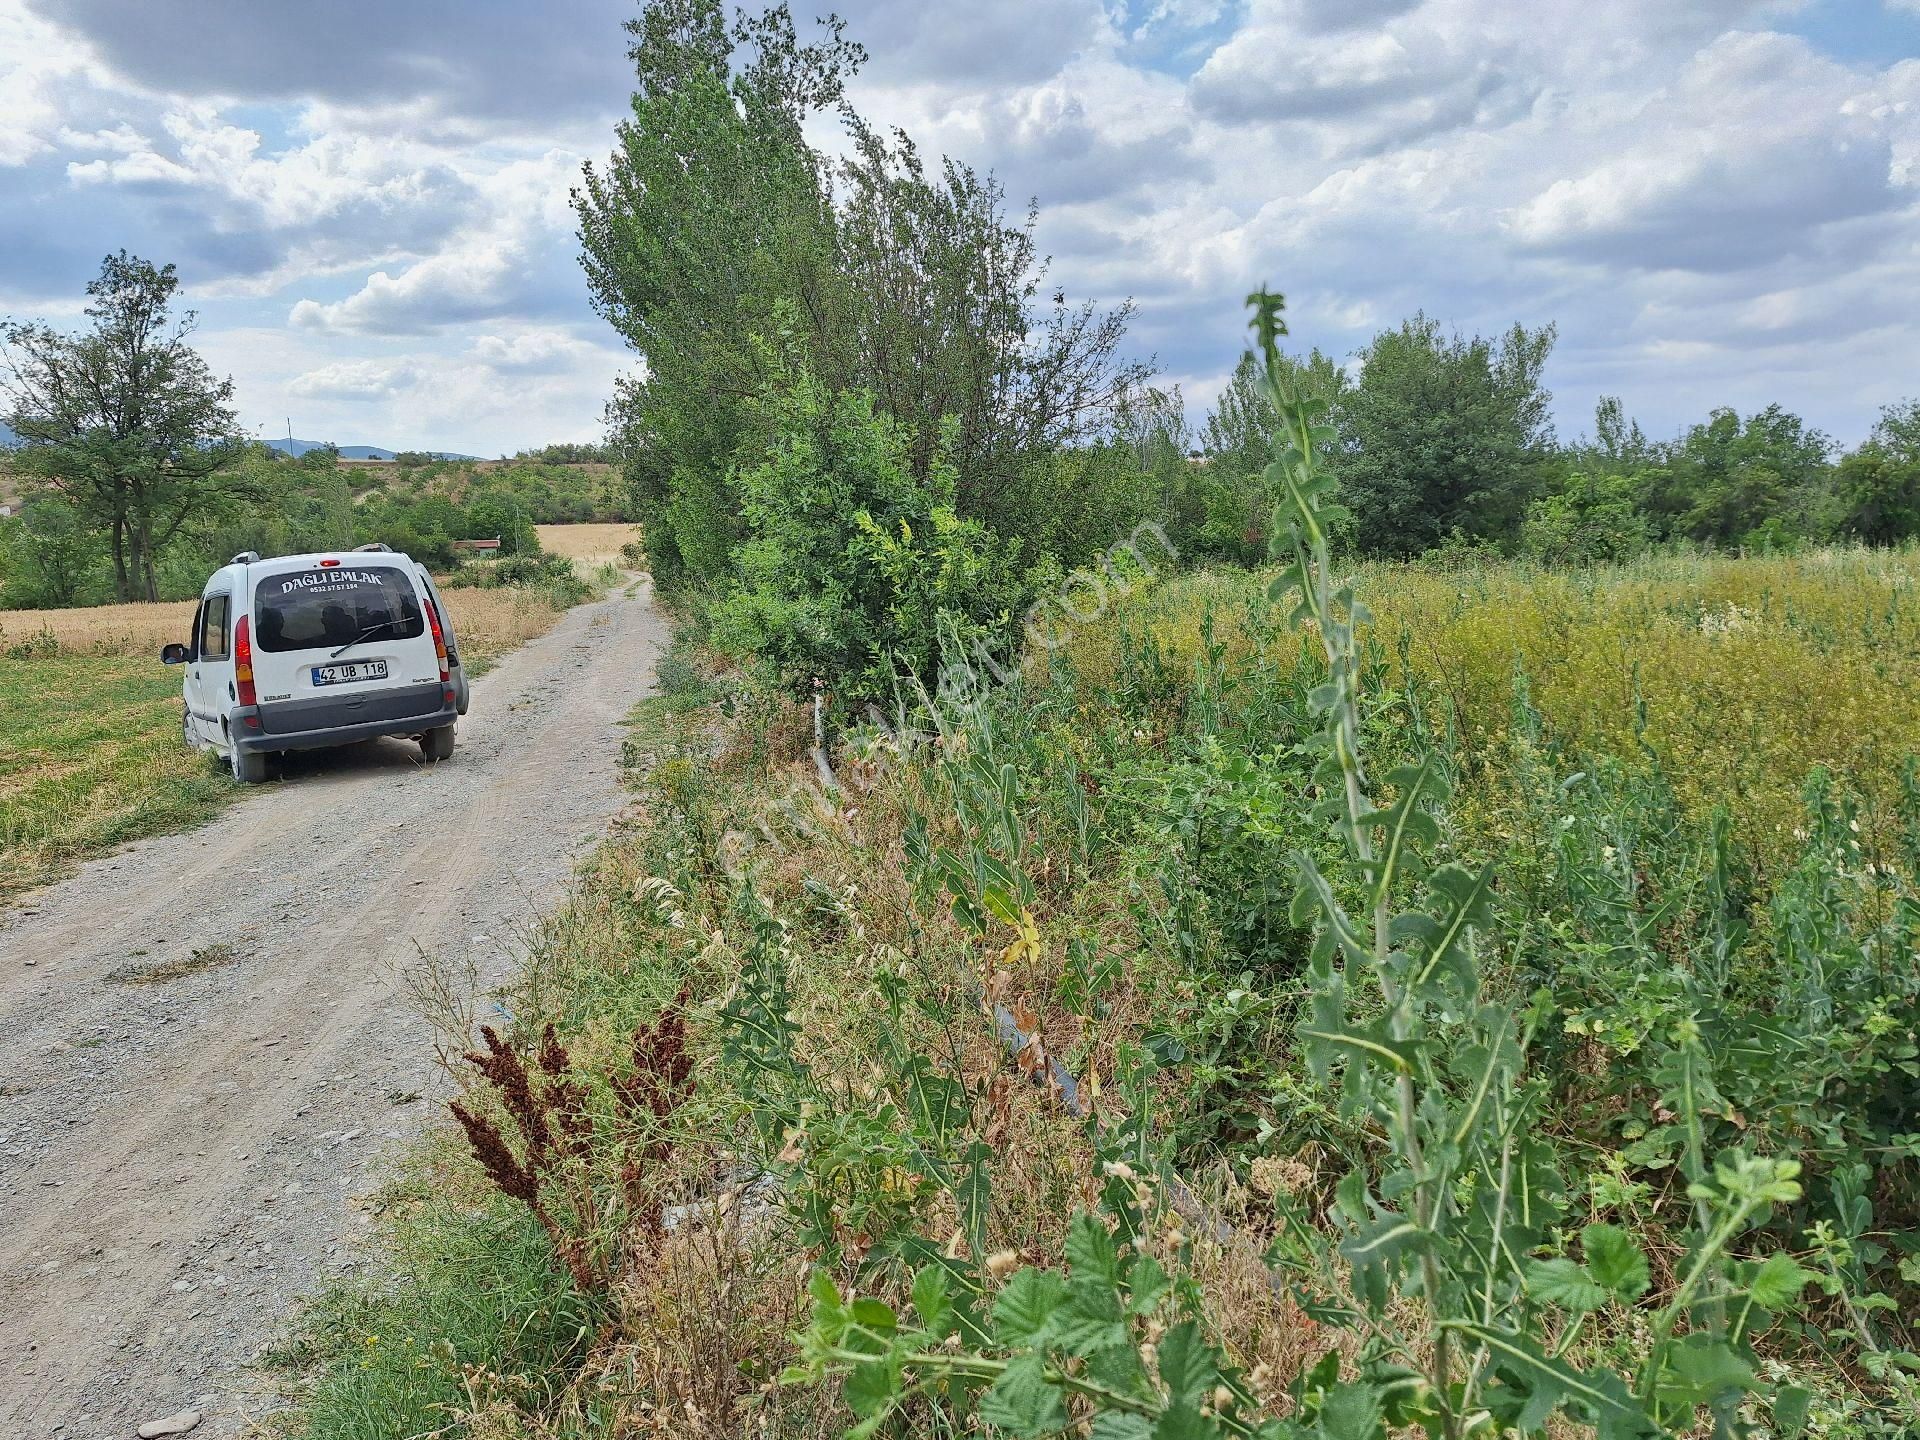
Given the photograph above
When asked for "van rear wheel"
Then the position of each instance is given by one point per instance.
(436, 745)
(249, 766)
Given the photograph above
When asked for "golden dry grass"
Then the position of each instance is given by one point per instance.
(101, 629)
(492, 622)
(590, 545)
(488, 622)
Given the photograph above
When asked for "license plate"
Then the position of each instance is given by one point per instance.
(347, 673)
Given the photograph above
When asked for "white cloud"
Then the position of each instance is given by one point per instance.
(532, 352)
(1715, 173)
(37, 64)
(354, 380)
(495, 266)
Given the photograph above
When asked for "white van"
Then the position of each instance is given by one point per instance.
(303, 651)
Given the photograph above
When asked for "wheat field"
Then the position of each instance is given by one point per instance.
(488, 622)
(589, 545)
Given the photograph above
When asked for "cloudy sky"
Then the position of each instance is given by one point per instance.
(1717, 201)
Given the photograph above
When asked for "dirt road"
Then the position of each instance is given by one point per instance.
(180, 1158)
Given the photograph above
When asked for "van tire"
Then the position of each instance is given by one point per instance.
(436, 745)
(249, 766)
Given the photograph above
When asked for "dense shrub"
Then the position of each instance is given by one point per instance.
(850, 562)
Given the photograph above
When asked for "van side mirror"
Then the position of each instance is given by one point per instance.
(175, 654)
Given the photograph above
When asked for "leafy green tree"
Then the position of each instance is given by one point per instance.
(946, 320)
(1588, 517)
(852, 564)
(892, 277)
(711, 210)
(48, 556)
(1443, 434)
(1237, 443)
(501, 517)
(1762, 480)
(1877, 487)
(124, 420)
(1619, 443)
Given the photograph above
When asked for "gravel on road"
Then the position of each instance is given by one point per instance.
(206, 1056)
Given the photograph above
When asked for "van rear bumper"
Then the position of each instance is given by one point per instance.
(315, 724)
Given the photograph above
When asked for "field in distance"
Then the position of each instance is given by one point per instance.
(588, 545)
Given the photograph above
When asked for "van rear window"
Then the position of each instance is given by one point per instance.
(311, 609)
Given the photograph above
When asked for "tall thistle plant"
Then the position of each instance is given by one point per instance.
(1451, 1256)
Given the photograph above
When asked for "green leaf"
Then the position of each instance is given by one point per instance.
(1090, 1250)
(1117, 1425)
(1351, 1412)
(1186, 1364)
(1090, 1320)
(1147, 1282)
(1566, 1284)
(1615, 1261)
(1025, 1308)
(931, 1302)
(1001, 904)
(1778, 1281)
(1022, 1401)
(975, 1194)
(1118, 1368)
(1370, 1043)
(1315, 892)
(875, 1315)
(1464, 898)
(1698, 1371)
(872, 1386)
(1548, 1380)
(1182, 1421)
(826, 1294)
(1403, 826)
(1790, 1409)
(1388, 1238)
(829, 1311)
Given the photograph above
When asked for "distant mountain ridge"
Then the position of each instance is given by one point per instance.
(356, 452)
(300, 447)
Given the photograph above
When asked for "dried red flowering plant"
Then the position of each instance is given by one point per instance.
(550, 1165)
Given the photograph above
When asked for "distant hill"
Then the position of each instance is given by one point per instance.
(356, 452)
(300, 447)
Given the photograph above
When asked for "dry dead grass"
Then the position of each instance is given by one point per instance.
(488, 622)
(590, 545)
(102, 629)
(492, 622)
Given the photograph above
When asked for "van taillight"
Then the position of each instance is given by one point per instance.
(243, 663)
(439, 641)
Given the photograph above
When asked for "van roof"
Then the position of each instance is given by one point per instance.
(276, 564)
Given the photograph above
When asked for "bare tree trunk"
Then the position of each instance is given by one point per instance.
(122, 581)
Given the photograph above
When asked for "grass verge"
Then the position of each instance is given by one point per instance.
(90, 758)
